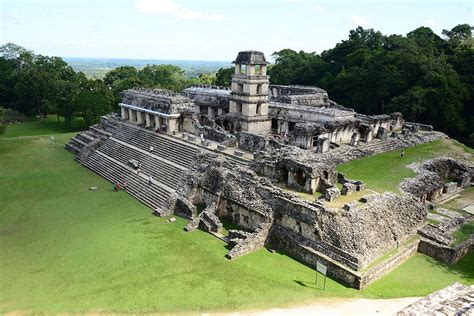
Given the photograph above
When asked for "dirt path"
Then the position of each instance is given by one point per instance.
(344, 307)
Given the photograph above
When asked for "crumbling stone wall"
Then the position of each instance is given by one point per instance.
(351, 237)
(430, 182)
(252, 142)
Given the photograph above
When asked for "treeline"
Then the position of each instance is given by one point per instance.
(428, 78)
(38, 85)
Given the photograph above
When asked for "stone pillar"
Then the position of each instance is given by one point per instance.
(157, 122)
(369, 136)
(171, 125)
(131, 118)
(323, 145)
(123, 111)
(139, 117)
(147, 120)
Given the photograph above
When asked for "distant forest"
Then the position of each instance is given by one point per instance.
(426, 77)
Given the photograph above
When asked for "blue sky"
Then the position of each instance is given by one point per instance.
(209, 29)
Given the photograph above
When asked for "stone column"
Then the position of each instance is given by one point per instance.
(157, 122)
(123, 115)
(131, 118)
(171, 125)
(139, 117)
(147, 119)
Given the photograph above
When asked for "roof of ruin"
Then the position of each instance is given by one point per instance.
(297, 89)
(208, 90)
(250, 57)
(157, 100)
(331, 112)
(158, 94)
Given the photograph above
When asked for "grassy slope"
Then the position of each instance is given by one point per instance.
(33, 126)
(66, 249)
(384, 172)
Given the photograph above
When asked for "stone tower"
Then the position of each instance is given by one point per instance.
(249, 96)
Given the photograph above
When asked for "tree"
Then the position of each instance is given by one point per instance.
(121, 73)
(163, 76)
(93, 100)
(13, 51)
(224, 76)
(3, 125)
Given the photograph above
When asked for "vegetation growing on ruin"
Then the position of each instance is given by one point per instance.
(70, 250)
(384, 172)
(463, 234)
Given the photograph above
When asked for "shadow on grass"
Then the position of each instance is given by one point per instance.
(312, 285)
(464, 268)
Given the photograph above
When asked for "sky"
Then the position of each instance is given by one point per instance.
(210, 29)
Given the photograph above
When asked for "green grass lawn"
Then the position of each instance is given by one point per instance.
(383, 172)
(65, 249)
(33, 126)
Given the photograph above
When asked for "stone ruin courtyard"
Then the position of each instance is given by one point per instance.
(255, 165)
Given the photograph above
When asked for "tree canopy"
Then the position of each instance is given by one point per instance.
(426, 77)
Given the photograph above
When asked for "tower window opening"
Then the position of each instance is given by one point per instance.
(243, 69)
(258, 70)
(258, 109)
(239, 107)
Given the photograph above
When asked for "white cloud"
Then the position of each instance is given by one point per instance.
(293, 1)
(430, 23)
(358, 20)
(171, 8)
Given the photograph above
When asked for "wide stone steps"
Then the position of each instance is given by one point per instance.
(151, 195)
(173, 151)
(161, 171)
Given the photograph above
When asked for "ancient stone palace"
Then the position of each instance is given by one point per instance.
(255, 165)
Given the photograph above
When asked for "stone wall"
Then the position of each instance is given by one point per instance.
(251, 142)
(447, 254)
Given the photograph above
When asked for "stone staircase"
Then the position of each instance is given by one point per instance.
(177, 152)
(82, 139)
(166, 163)
(153, 195)
(160, 169)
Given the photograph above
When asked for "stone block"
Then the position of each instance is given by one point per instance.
(348, 188)
(221, 147)
(360, 186)
(367, 198)
(349, 206)
(450, 187)
(238, 153)
(332, 193)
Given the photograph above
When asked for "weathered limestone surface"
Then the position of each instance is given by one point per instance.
(456, 299)
(353, 237)
(430, 184)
